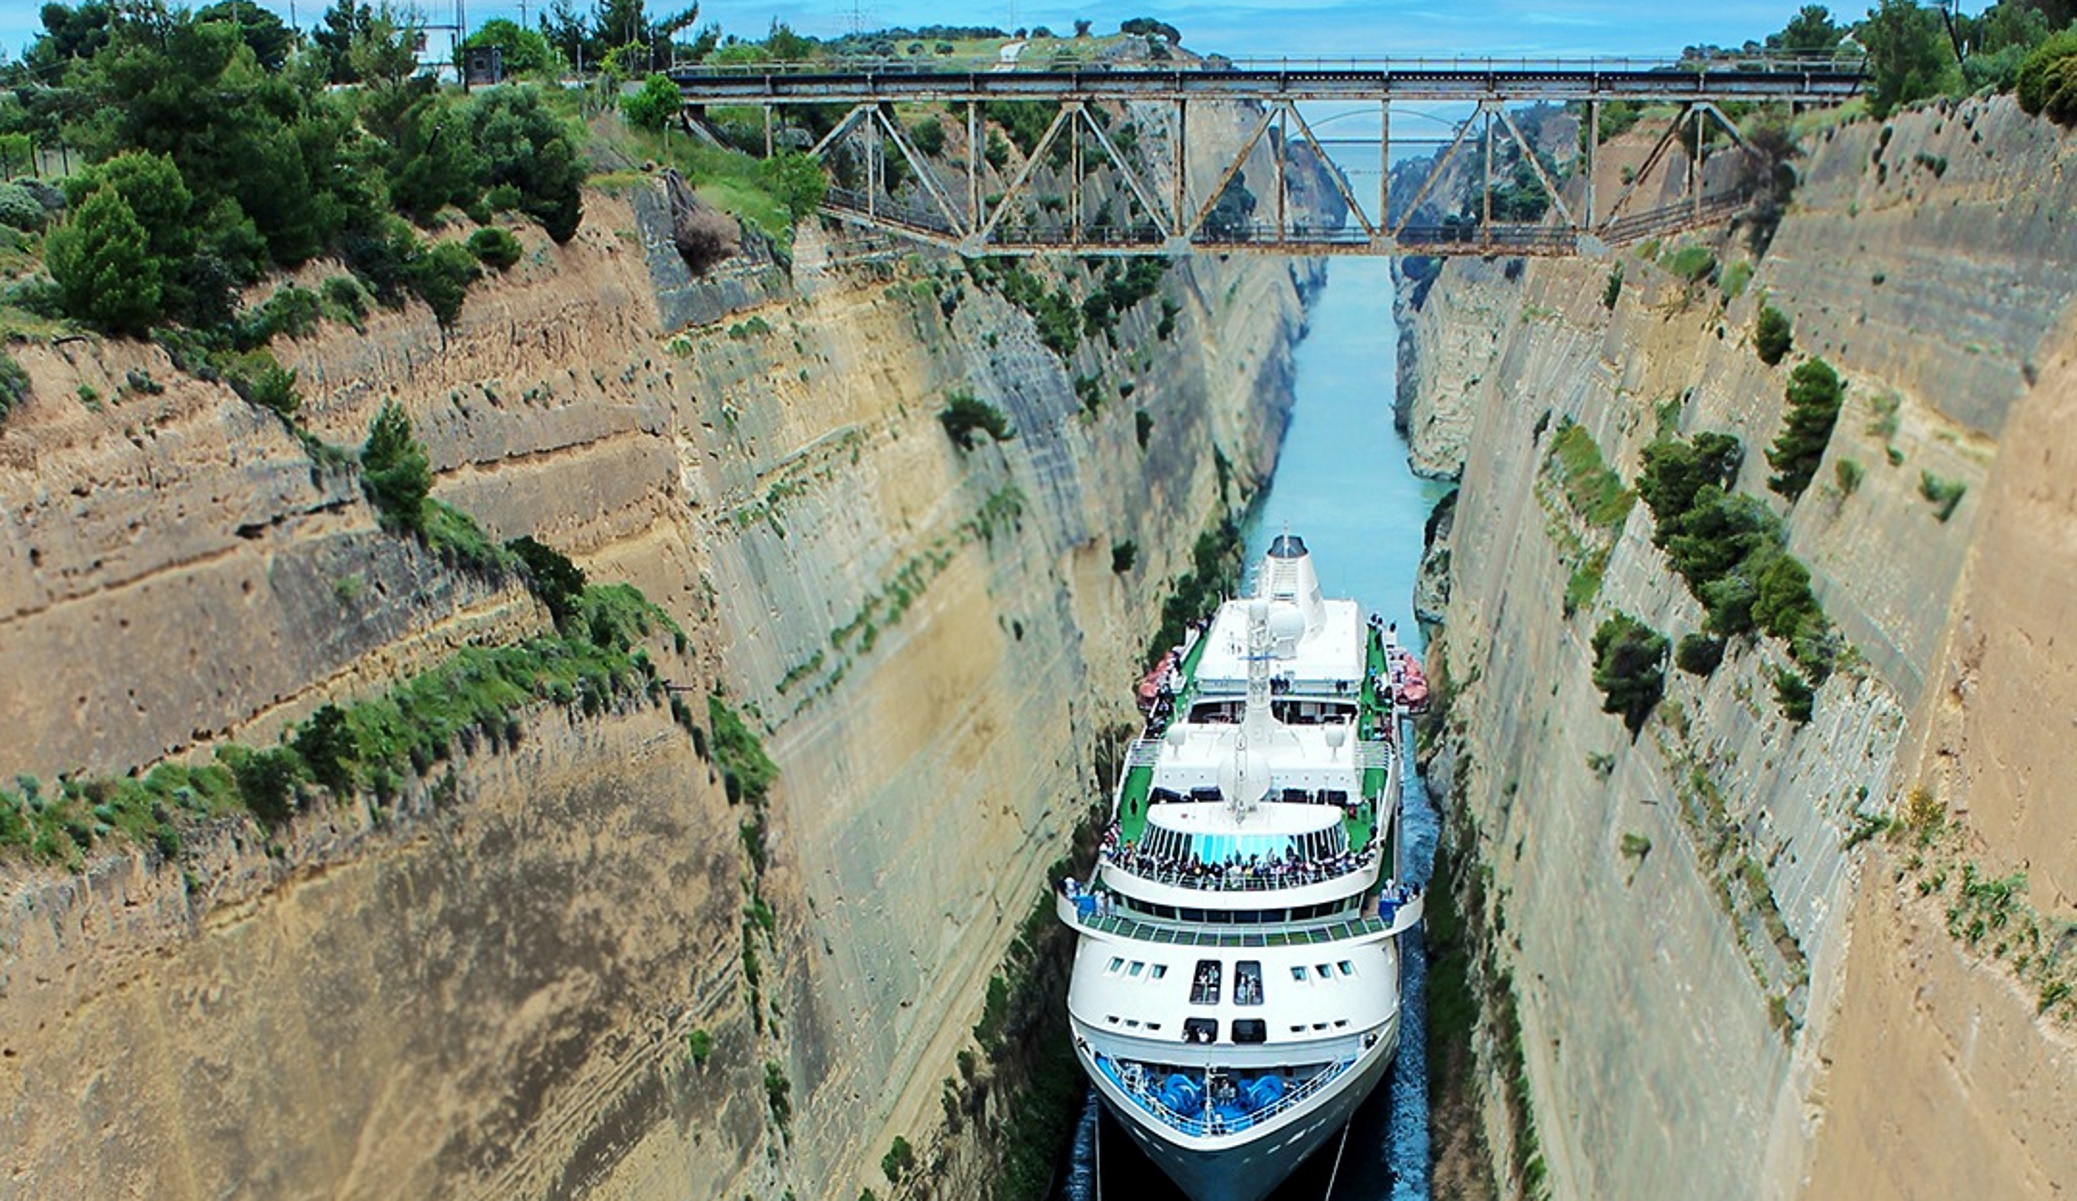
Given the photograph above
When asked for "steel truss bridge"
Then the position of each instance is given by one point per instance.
(1173, 202)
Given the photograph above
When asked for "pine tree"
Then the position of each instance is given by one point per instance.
(395, 471)
(104, 266)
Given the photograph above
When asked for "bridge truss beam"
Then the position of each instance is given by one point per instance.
(1040, 209)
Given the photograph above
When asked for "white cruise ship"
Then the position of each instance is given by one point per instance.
(1236, 979)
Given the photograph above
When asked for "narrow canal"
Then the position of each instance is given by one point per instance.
(1342, 484)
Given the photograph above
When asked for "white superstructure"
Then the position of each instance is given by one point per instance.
(1236, 980)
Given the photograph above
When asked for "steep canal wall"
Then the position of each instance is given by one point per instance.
(1747, 951)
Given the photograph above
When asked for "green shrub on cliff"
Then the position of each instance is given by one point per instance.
(746, 771)
(495, 248)
(1944, 493)
(1794, 695)
(2046, 83)
(1732, 551)
(1814, 395)
(441, 276)
(553, 579)
(1692, 264)
(1591, 489)
(965, 416)
(395, 472)
(259, 378)
(1698, 654)
(1772, 335)
(1629, 668)
(899, 1160)
(778, 1093)
(1676, 471)
(267, 781)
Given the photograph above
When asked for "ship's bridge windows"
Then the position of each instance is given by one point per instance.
(1298, 972)
(1204, 986)
(1160, 970)
(1136, 968)
(1247, 983)
(1114, 966)
(1347, 968)
(1200, 1030)
(1250, 1030)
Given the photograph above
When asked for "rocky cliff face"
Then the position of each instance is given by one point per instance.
(490, 990)
(1752, 957)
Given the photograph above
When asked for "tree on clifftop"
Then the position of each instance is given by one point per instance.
(654, 104)
(1810, 31)
(1909, 54)
(104, 267)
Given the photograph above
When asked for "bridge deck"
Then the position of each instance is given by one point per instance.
(1553, 82)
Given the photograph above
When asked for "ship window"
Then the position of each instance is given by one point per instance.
(1347, 968)
(1298, 972)
(1200, 1030)
(1153, 1025)
(1320, 968)
(1160, 970)
(1112, 1018)
(1316, 1025)
(1250, 1030)
(1115, 964)
(1132, 1023)
(1341, 1023)
(1247, 982)
(1204, 986)
(1298, 1029)
(1134, 970)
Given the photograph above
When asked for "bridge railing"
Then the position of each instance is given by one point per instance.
(1744, 64)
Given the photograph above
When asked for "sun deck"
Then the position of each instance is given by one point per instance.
(1375, 731)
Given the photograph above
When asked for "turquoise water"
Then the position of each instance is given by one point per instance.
(1341, 484)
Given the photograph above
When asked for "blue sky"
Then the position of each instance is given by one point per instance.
(1307, 28)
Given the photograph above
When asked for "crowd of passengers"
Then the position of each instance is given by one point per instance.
(1277, 871)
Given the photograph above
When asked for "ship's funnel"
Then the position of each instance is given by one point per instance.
(1290, 584)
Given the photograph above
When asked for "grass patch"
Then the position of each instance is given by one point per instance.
(1592, 490)
(746, 771)
(471, 701)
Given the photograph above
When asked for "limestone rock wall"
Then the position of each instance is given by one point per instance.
(490, 996)
(1779, 1011)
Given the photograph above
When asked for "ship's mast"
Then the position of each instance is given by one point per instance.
(1250, 780)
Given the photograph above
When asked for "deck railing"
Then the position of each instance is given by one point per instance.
(1213, 1122)
(1240, 882)
(1281, 934)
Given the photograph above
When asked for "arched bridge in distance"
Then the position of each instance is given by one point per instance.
(1175, 178)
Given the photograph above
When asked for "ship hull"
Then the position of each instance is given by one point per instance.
(1249, 1170)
